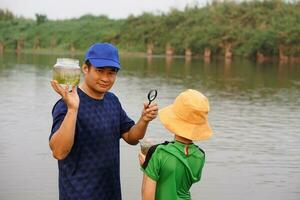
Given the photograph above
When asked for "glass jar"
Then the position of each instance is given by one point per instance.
(145, 145)
(67, 71)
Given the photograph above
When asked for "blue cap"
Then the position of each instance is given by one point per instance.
(103, 55)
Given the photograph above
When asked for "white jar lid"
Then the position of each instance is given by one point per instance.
(67, 63)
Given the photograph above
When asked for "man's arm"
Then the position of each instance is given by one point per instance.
(138, 131)
(62, 140)
(148, 188)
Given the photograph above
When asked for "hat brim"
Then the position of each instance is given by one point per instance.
(104, 63)
(182, 128)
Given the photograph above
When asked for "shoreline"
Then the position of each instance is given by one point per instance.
(41, 51)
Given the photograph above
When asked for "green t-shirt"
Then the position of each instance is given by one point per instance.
(175, 167)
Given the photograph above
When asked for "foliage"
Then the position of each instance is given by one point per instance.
(6, 15)
(248, 26)
(40, 18)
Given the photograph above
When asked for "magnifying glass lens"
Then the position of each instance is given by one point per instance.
(152, 95)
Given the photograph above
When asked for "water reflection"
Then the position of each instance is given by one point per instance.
(239, 78)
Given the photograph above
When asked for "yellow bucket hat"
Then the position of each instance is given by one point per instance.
(187, 116)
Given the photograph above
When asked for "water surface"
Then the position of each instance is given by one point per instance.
(255, 111)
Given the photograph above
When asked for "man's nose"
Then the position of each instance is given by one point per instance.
(105, 76)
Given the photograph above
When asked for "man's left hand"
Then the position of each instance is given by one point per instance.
(149, 112)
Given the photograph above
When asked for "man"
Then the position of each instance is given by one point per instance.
(88, 123)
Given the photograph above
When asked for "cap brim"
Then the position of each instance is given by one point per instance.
(104, 63)
(182, 128)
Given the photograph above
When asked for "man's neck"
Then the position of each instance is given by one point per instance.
(88, 91)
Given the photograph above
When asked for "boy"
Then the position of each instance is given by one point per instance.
(171, 168)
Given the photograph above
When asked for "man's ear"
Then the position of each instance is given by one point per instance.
(85, 68)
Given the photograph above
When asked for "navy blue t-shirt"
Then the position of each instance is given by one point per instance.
(92, 168)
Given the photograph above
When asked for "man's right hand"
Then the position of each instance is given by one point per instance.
(71, 98)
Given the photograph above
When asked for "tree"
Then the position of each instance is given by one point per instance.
(40, 18)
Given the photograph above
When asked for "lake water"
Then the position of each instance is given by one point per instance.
(255, 115)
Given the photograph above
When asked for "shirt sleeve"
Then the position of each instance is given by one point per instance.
(201, 168)
(59, 112)
(125, 122)
(153, 168)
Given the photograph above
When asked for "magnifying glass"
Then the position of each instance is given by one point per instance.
(152, 94)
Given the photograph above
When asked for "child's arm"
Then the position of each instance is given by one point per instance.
(148, 188)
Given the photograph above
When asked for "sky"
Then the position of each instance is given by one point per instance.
(114, 9)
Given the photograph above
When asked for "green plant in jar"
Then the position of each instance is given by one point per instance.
(67, 71)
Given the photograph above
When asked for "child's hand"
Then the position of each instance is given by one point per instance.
(141, 158)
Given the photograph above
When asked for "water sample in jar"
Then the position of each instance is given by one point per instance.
(145, 145)
(67, 71)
